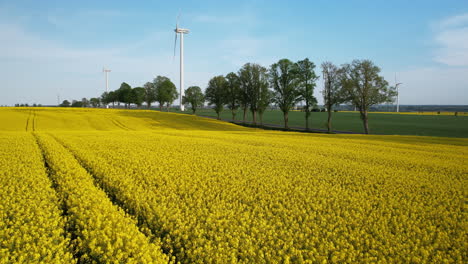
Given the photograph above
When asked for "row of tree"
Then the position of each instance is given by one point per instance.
(253, 88)
(286, 83)
(160, 90)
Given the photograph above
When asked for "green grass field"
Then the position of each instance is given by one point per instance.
(386, 124)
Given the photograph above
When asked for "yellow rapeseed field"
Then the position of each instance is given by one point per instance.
(147, 186)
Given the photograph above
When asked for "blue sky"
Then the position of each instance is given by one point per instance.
(59, 47)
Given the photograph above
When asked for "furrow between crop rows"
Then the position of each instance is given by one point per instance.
(31, 224)
(103, 232)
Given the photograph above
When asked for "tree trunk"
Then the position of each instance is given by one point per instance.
(245, 114)
(254, 118)
(329, 125)
(286, 120)
(193, 110)
(233, 115)
(365, 121)
(217, 112)
(149, 105)
(160, 106)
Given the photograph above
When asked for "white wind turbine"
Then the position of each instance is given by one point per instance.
(106, 71)
(398, 95)
(180, 31)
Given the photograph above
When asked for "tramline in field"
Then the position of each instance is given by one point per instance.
(146, 186)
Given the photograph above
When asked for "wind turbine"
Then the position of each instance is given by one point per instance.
(180, 31)
(397, 95)
(106, 71)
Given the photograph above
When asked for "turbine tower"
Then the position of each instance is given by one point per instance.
(106, 71)
(397, 95)
(180, 31)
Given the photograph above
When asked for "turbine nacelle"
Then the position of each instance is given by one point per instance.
(181, 30)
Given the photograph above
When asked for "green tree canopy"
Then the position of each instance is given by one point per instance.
(283, 79)
(193, 96)
(233, 93)
(138, 96)
(124, 94)
(364, 87)
(215, 93)
(65, 103)
(305, 79)
(95, 102)
(166, 91)
(253, 79)
(332, 89)
(150, 93)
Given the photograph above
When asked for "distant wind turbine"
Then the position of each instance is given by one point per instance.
(106, 71)
(180, 31)
(398, 95)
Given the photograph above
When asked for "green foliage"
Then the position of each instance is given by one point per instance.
(150, 93)
(283, 79)
(364, 87)
(282, 76)
(95, 102)
(215, 93)
(306, 79)
(166, 91)
(254, 84)
(233, 93)
(333, 93)
(65, 103)
(193, 96)
(85, 102)
(76, 103)
(138, 96)
(124, 94)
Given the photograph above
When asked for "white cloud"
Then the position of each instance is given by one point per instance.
(35, 68)
(454, 21)
(451, 36)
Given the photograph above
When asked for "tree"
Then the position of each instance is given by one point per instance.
(193, 96)
(253, 79)
(150, 93)
(244, 84)
(76, 103)
(156, 85)
(65, 103)
(84, 102)
(332, 89)
(95, 102)
(265, 98)
(283, 79)
(113, 97)
(364, 87)
(166, 91)
(215, 93)
(306, 79)
(233, 93)
(105, 98)
(138, 96)
(124, 94)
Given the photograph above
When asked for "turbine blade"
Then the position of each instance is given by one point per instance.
(177, 20)
(175, 44)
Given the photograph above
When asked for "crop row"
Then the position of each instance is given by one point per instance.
(31, 225)
(269, 197)
(102, 232)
